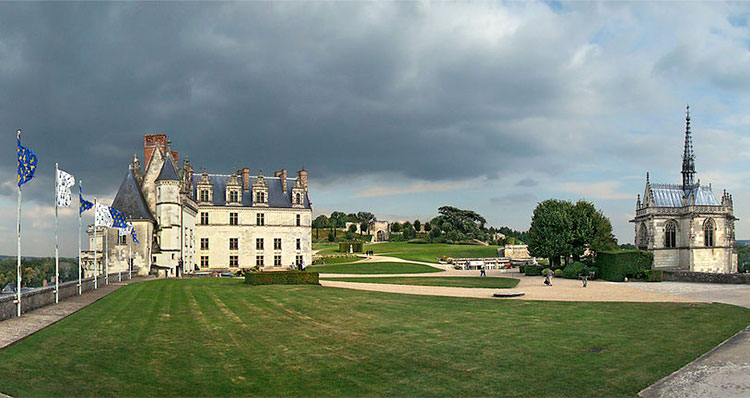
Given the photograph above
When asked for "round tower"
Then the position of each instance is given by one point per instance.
(168, 217)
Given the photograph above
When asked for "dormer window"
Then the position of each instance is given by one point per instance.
(233, 196)
(260, 191)
(204, 188)
(204, 195)
(260, 197)
(298, 198)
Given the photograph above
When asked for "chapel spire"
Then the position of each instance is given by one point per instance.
(688, 157)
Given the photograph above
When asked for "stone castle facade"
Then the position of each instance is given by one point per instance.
(187, 221)
(684, 225)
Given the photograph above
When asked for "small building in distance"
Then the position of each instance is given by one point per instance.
(684, 225)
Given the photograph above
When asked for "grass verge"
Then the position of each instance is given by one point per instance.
(489, 282)
(373, 268)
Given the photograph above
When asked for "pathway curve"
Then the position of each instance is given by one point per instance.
(14, 329)
(532, 287)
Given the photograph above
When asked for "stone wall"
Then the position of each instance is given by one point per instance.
(41, 297)
(705, 277)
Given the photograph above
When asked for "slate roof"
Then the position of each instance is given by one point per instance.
(670, 195)
(130, 201)
(168, 173)
(276, 196)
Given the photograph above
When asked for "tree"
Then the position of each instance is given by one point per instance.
(366, 217)
(319, 223)
(351, 217)
(395, 227)
(364, 226)
(409, 232)
(417, 225)
(352, 228)
(427, 227)
(467, 223)
(337, 220)
(551, 228)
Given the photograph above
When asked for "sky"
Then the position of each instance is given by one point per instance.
(396, 108)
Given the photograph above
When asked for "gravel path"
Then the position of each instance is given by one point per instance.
(532, 287)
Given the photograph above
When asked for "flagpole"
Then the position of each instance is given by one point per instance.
(106, 255)
(57, 252)
(95, 244)
(119, 260)
(79, 236)
(18, 291)
(130, 253)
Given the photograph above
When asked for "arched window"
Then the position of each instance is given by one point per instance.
(643, 236)
(708, 232)
(298, 199)
(670, 234)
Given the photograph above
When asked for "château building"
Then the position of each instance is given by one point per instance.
(684, 225)
(187, 221)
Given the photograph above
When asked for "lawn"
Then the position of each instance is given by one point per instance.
(373, 268)
(220, 337)
(326, 248)
(431, 252)
(341, 260)
(455, 281)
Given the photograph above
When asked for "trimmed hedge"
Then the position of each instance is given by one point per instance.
(282, 278)
(654, 275)
(533, 270)
(558, 273)
(617, 265)
(572, 270)
(357, 246)
(522, 268)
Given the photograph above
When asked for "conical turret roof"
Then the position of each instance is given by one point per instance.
(129, 200)
(168, 173)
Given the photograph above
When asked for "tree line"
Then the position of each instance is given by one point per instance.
(34, 271)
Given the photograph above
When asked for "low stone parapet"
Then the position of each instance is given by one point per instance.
(705, 277)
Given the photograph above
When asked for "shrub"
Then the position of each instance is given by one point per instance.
(282, 278)
(356, 245)
(544, 271)
(654, 275)
(522, 268)
(572, 270)
(594, 273)
(558, 273)
(616, 265)
(532, 270)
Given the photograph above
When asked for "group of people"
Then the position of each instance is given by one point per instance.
(369, 253)
(584, 275)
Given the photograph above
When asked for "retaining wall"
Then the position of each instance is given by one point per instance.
(705, 277)
(36, 298)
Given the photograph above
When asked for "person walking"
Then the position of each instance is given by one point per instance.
(548, 277)
(482, 271)
(585, 274)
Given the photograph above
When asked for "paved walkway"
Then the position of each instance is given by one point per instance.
(532, 287)
(14, 329)
(721, 372)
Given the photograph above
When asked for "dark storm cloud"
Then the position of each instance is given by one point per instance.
(340, 88)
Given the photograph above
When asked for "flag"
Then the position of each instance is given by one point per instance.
(132, 233)
(85, 204)
(64, 182)
(102, 218)
(26, 162)
(118, 219)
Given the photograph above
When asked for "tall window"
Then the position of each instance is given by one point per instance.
(233, 197)
(277, 261)
(299, 260)
(259, 261)
(204, 261)
(670, 235)
(643, 236)
(234, 261)
(233, 219)
(259, 244)
(277, 244)
(298, 199)
(260, 197)
(260, 219)
(299, 244)
(204, 243)
(708, 232)
(299, 220)
(234, 244)
(204, 195)
(122, 240)
(204, 218)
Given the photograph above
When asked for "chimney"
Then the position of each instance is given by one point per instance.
(302, 175)
(150, 143)
(277, 173)
(282, 174)
(245, 178)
